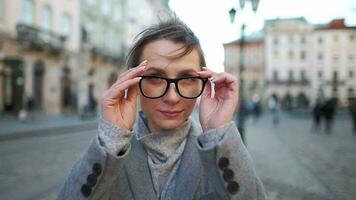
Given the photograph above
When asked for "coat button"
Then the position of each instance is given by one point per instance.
(233, 187)
(228, 174)
(92, 179)
(97, 169)
(223, 162)
(86, 190)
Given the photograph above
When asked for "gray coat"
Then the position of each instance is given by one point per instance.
(222, 171)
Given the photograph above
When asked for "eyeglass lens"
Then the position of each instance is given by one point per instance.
(155, 87)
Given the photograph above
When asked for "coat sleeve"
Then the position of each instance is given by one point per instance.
(228, 165)
(94, 173)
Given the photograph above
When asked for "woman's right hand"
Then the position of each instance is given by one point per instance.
(117, 109)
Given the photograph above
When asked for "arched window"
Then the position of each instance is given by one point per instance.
(28, 11)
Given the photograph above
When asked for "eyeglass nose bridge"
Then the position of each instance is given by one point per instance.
(175, 81)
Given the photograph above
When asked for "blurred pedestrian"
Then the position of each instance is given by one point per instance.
(257, 108)
(159, 152)
(274, 106)
(328, 110)
(352, 110)
(317, 115)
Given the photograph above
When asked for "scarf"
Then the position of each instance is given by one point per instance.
(164, 149)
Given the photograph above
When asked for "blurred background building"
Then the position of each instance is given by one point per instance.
(59, 56)
(299, 61)
(253, 60)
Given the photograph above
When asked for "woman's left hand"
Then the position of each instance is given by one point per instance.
(218, 109)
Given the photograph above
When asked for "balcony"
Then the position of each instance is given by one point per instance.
(303, 82)
(33, 38)
(107, 55)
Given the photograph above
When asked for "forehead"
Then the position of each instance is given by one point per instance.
(162, 55)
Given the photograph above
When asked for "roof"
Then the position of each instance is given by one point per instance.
(271, 21)
(334, 24)
(251, 38)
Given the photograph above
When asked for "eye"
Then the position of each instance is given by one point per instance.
(153, 80)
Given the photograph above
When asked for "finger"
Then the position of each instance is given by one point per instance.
(119, 91)
(206, 74)
(143, 63)
(132, 93)
(134, 73)
(224, 79)
(207, 90)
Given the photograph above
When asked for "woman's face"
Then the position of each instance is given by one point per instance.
(171, 110)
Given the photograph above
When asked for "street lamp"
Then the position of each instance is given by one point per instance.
(242, 110)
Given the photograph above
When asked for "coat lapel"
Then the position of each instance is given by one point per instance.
(189, 172)
(139, 174)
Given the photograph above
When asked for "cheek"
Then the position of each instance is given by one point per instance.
(147, 105)
(189, 105)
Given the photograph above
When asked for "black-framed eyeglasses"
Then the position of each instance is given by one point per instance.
(154, 87)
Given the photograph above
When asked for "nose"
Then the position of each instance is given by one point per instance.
(172, 95)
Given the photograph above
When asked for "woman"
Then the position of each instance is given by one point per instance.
(160, 153)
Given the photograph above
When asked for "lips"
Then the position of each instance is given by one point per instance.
(170, 114)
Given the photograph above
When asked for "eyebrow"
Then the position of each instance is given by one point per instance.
(161, 71)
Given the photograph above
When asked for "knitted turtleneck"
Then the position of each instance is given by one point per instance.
(164, 149)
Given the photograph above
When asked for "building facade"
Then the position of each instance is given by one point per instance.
(288, 61)
(334, 61)
(301, 61)
(39, 41)
(253, 62)
(59, 56)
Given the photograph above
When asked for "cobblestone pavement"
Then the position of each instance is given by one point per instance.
(295, 162)
(34, 168)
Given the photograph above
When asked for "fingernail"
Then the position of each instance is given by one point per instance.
(143, 63)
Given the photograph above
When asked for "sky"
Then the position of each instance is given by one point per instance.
(209, 19)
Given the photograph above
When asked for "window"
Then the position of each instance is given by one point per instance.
(27, 11)
(105, 7)
(320, 74)
(256, 57)
(302, 40)
(275, 54)
(302, 55)
(351, 56)
(352, 37)
(290, 76)
(1, 9)
(290, 55)
(291, 39)
(335, 38)
(275, 40)
(320, 40)
(275, 75)
(320, 56)
(302, 75)
(47, 18)
(335, 76)
(66, 25)
(351, 74)
(117, 11)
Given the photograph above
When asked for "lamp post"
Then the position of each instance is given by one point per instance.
(242, 110)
